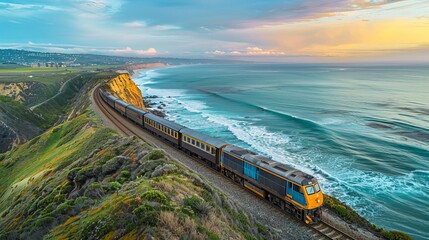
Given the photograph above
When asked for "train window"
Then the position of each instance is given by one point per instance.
(317, 187)
(198, 144)
(213, 151)
(289, 184)
(309, 189)
(203, 146)
(296, 188)
(176, 135)
(193, 142)
(207, 148)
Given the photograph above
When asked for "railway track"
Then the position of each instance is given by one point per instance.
(325, 231)
(320, 231)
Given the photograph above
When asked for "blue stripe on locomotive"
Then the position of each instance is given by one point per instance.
(251, 171)
(296, 196)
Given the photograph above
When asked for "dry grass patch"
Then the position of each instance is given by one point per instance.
(172, 227)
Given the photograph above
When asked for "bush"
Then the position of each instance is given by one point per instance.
(198, 205)
(84, 174)
(82, 203)
(163, 169)
(114, 164)
(155, 196)
(147, 215)
(395, 235)
(148, 167)
(42, 223)
(97, 229)
(94, 191)
(154, 155)
(125, 174)
(115, 186)
(65, 208)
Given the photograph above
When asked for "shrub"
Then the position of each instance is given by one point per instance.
(395, 235)
(82, 203)
(147, 215)
(105, 157)
(42, 223)
(198, 205)
(155, 196)
(97, 229)
(148, 167)
(163, 169)
(94, 191)
(64, 208)
(115, 186)
(125, 174)
(154, 155)
(114, 164)
(83, 174)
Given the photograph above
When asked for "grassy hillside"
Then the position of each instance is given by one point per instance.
(82, 181)
(27, 124)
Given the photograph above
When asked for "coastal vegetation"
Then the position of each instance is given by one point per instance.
(81, 180)
(352, 217)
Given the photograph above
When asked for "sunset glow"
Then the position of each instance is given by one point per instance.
(301, 31)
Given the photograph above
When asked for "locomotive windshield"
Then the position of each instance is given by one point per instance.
(310, 190)
(317, 187)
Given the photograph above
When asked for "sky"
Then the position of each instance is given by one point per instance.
(259, 30)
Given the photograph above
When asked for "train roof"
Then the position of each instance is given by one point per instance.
(111, 96)
(163, 121)
(136, 109)
(203, 137)
(280, 169)
(121, 102)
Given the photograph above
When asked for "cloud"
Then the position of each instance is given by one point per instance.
(250, 51)
(100, 6)
(136, 24)
(216, 52)
(71, 48)
(128, 50)
(25, 10)
(165, 27)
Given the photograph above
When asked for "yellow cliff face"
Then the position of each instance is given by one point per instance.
(123, 87)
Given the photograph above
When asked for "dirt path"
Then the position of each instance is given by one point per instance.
(59, 92)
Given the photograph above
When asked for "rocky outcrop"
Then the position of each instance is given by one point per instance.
(123, 87)
(19, 91)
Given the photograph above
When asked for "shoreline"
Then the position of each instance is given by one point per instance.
(337, 213)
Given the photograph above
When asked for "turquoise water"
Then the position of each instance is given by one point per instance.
(362, 131)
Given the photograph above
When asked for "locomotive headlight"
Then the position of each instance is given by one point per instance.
(318, 200)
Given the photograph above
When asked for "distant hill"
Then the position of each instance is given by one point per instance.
(28, 57)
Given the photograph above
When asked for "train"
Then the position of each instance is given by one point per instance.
(290, 189)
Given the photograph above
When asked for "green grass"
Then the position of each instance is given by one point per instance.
(41, 154)
(19, 69)
(19, 111)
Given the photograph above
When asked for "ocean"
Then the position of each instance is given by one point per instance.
(363, 131)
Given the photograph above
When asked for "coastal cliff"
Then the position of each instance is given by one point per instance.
(123, 87)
